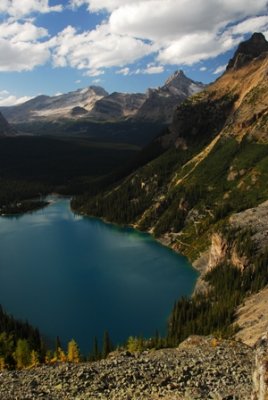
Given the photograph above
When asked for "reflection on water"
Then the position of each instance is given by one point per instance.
(75, 277)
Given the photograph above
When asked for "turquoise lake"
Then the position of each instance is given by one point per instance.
(76, 277)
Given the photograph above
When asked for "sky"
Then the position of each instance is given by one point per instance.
(52, 47)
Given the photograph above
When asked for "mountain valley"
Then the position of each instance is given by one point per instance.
(197, 182)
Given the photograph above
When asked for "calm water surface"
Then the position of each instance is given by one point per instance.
(75, 277)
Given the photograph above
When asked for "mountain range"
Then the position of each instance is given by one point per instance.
(95, 104)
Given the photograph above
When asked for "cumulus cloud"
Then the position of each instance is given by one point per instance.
(8, 99)
(21, 8)
(96, 49)
(171, 19)
(176, 31)
(21, 32)
(19, 42)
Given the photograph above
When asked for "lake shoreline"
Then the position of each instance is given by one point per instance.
(115, 274)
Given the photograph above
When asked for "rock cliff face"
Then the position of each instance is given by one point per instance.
(248, 50)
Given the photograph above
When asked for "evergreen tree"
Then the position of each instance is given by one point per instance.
(95, 354)
(106, 345)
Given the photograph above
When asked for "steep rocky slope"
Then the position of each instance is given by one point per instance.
(200, 368)
(54, 107)
(117, 106)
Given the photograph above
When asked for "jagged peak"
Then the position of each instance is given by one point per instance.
(177, 75)
(248, 50)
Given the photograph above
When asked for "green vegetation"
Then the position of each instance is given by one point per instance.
(214, 312)
(21, 346)
(19, 342)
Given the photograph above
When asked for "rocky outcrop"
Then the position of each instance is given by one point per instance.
(260, 372)
(252, 318)
(200, 368)
(218, 251)
(5, 128)
(254, 219)
(248, 50)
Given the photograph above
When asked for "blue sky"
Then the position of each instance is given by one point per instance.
(51, 47)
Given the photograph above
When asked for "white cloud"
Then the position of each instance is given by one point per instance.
(99, 5)
(96, 81)
(78, 81)
(202, 69)
(21, 32)
(176, 31)
(153, 69)
(150, 69)
(94, 72)
(21, 8)
(7, 99)
(167, 20)
(251, 25)
(96, 49)
(19, 43)
(22, 56)
(220, 69)
(123, 71)
(195, 47)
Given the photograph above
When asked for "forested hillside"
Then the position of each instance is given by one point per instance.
(214, 166)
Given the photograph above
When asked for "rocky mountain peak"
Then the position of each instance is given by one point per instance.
(174, 78)
(247, 50)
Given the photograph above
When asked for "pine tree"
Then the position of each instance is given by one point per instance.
(95, 354)
(106, 345)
